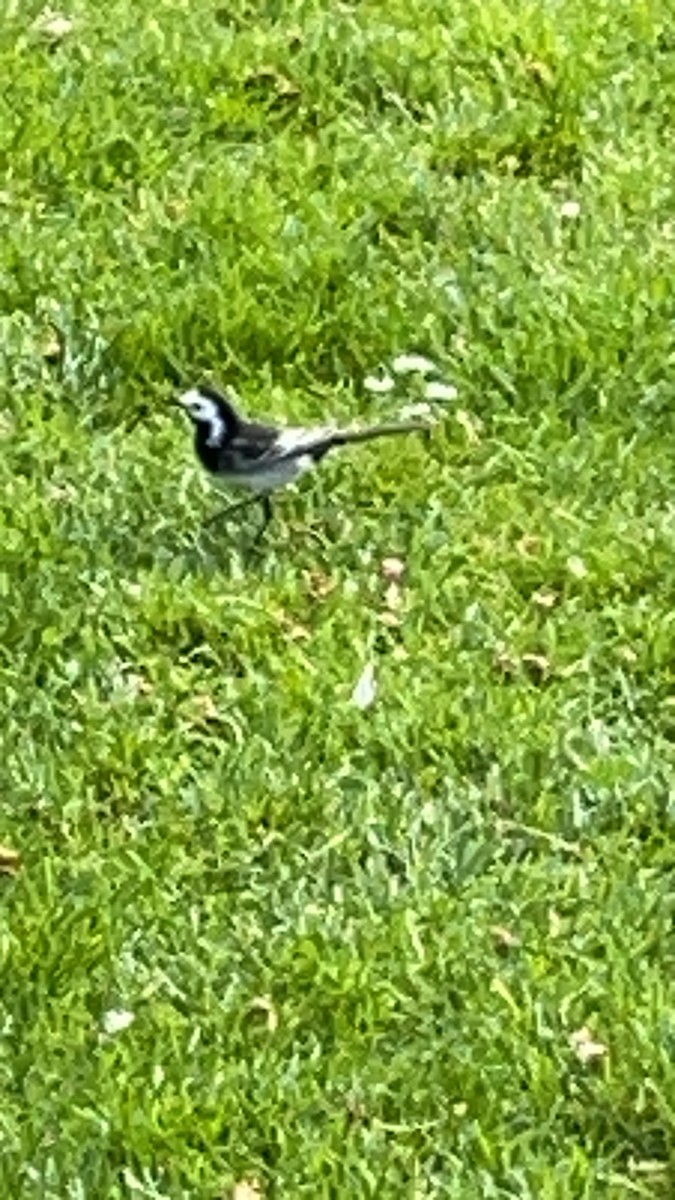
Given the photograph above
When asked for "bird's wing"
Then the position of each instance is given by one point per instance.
(257, 448)
(293, 442)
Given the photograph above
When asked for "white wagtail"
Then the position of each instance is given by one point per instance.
(241, 453)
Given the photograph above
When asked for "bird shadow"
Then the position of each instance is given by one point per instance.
(234, 540)
(217, 544)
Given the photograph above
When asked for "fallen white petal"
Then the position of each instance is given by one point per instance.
(585, 1046)
(577, 567)
(393, 568)
(116, 1020)
(406, 364)
(366, 688)
(412, 411)
(247, 1189)
(392, 597)
(52, 24)
(373, 383)
(132, 1181)
(440, 391)
(570, 210)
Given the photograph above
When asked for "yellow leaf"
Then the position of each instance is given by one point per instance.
(265, 1006)
(504, 938)
(10, 860)
(500, 989)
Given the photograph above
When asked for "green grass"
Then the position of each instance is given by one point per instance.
(357, 944)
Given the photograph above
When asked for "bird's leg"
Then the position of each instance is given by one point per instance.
(267, 515)
(231, 508)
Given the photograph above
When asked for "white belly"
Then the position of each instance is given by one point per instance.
(280, 474)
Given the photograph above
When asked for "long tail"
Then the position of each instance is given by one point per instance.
(343, 437)
(346, 437)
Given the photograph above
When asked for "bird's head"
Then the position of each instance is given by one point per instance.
(211, 412)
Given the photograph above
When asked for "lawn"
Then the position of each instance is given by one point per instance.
(267, 934)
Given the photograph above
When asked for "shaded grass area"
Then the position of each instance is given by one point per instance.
(364, 950)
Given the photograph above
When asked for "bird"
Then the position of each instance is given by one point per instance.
(241, 453)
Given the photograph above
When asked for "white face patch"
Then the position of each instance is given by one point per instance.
(204, 411)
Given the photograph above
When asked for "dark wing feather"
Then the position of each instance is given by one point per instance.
(255, 440)
(251, 447)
